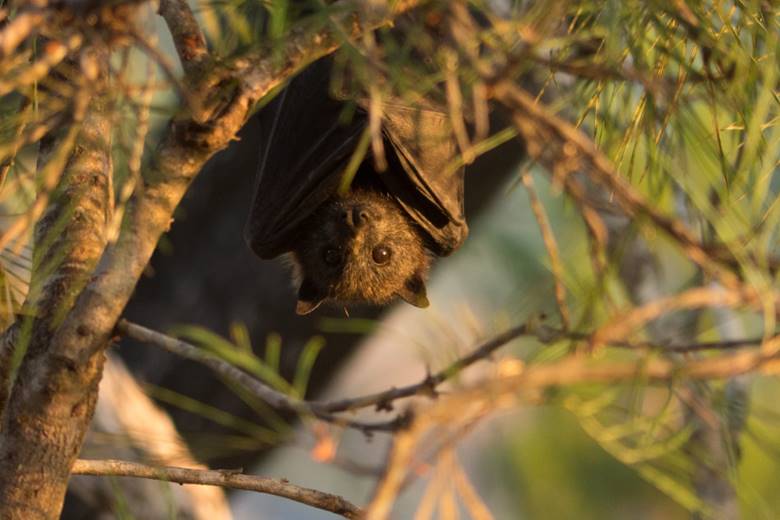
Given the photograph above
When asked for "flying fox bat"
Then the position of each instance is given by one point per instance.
(374, 242)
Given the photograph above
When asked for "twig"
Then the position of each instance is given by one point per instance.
(598, 72)
(52, 55)
(136, 155)
(273, 397)
(474, 504)
(455, 421)
(548, 237)
(676, 348)
(696, 298)
(322, 410)
(19, 29)
(428, 385)
(383, 400)
(153, 53)
(225, 478)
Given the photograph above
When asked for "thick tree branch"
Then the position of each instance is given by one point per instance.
(37, 449)
(226, 478)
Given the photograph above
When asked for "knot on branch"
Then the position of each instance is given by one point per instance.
(386, 405)
(428, 386)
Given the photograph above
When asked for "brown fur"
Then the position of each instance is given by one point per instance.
(354, 226)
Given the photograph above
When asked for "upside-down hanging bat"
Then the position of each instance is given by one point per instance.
(372, 243)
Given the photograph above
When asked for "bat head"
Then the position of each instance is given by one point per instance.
(360, 247)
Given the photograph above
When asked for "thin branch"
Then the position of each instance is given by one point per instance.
(257, 388)
(449, 423)
(548, 237)
(600, 72)
(181, 348)
(428, 385)
(674, 347)
(320, 409)
(153, 53)
(19, 29)
(696, 298)
(574, 371)
(186, 33)
(476, 507)
(225, 478)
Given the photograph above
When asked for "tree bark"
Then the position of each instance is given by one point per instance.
(46, 416)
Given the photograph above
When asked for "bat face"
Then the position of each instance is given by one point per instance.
(360, 248)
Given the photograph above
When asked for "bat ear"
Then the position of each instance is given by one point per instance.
(413, 291)
(309, 298)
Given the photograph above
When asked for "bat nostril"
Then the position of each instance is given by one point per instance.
(348, 219)
(360, 215)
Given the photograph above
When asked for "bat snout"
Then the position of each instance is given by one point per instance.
(356, 216)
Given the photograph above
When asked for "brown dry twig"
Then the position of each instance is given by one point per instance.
(548, 237)
(322, 409)
(427, 386)
(233, 479)
(20, 28)
(697, 298)
(383, 401)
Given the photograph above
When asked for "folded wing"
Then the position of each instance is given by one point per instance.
(306, 144)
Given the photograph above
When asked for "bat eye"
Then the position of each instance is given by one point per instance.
(381, 254)
(331, 256)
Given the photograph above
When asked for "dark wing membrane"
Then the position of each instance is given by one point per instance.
(304, 148)
(431, 191)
